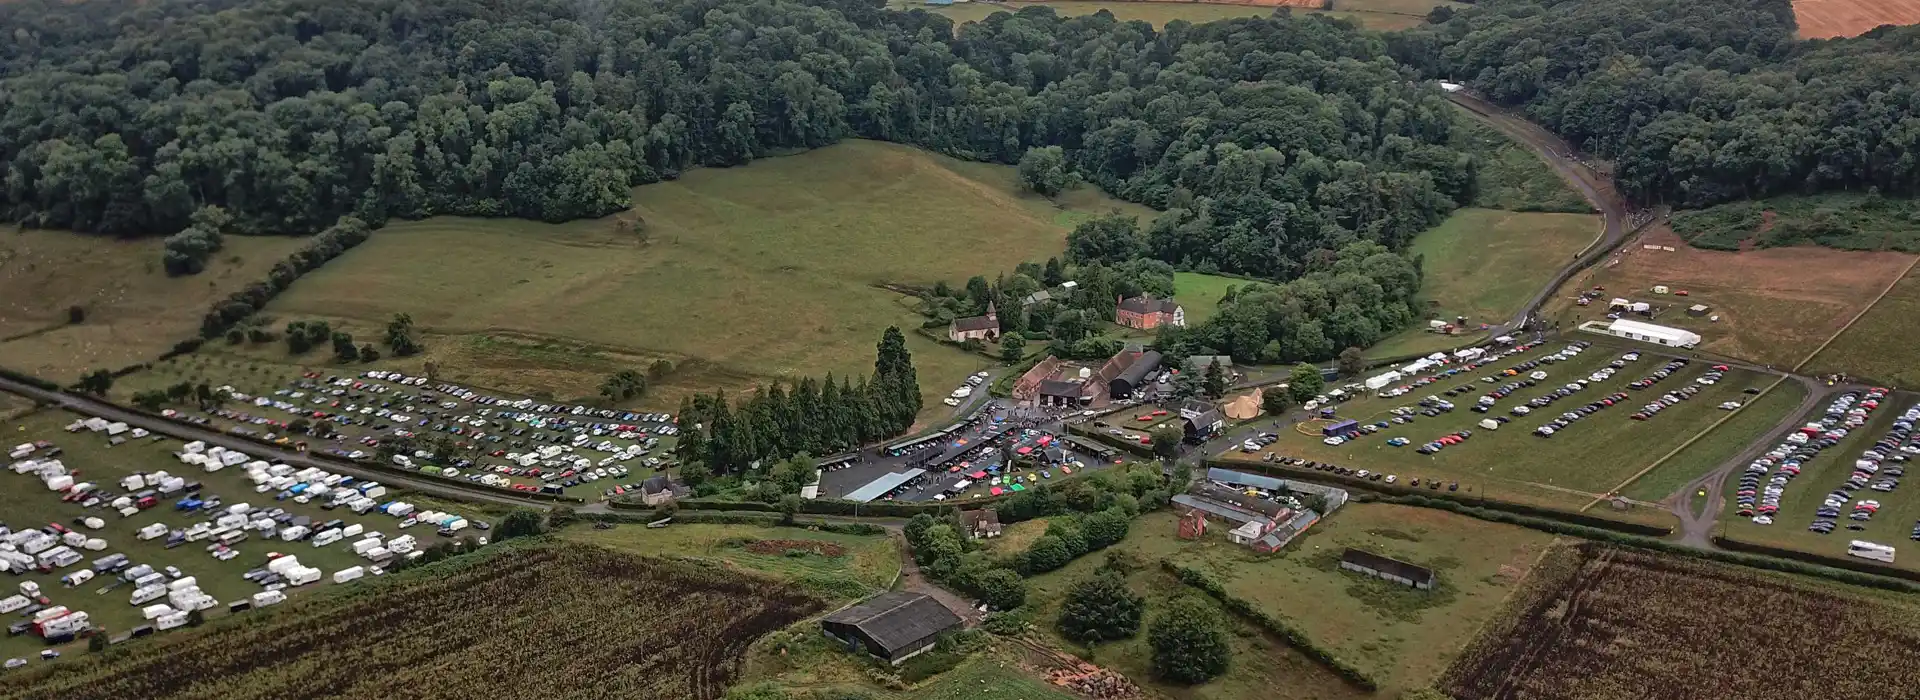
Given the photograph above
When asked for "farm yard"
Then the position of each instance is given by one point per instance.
(1826, 19)
(1821, 491)
(1880, 345)
(90, 458)
(1403, 637)
(1382, 15)
(1774, 305)
(505, 625)
(761, 271)
(1582, 460)
(133, 310)
(1594, 622)
(832, 564)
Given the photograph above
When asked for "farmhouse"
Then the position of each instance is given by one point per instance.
(1147, 313)
(891, 626)
(1644, 332)
(1390, 569)
(980, 524)
(656, 490)
(982, 328)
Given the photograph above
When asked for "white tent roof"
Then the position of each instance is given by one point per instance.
(1673, 336)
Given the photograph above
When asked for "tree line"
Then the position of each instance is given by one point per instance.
(1695, 102)
(1268, 140)
(720, 436)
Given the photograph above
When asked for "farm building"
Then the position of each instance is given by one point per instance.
(1058, 394)
(1390, 569)
(980, 524)
(982, 328)
(891, 626)
(1134, 375)
(1644, 332)
(656, 490)
(883, 485)
(1203, 425)
(1147, 313)
(1027, 388)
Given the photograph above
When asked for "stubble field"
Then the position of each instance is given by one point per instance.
(1595, 622)
(1826, 19)
(1382, 15)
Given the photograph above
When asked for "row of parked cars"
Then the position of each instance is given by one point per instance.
(1766, 478)
(1433, 484)
(1568, 418)
(1879, 468)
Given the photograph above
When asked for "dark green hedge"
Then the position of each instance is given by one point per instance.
(1279, 627)
(1797, 560)
(1133, 448)
(28, 379)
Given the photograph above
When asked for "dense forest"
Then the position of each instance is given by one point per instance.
(1696, 102)
(1272, 139)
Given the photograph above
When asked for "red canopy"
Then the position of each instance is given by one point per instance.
(997, 491)
(1024, 450)
(1045, 440)
(977, 475)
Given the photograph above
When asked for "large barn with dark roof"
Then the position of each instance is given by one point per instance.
(892, 626)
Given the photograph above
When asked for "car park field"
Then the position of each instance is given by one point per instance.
(1821, 492)
(1578, 462)
(26, 503)
(544, 621)
(1596, 623)
(742, 274)
(1712, 450)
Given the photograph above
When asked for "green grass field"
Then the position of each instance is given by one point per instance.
(1382, 15)
(741, 274)
(868, 562)
(134, 311)
(1263, 668)
(1892, 525)
(1745, 426)
(1200, 294)
(1403, 637)
(1586, 459)
(1513, 178)
(1486, 264)
(1880, 345)
(23, 503)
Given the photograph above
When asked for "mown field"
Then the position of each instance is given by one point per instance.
(1892, 525)
(1881, 345)
(1586, 459)
(1200, 294)
(848, 565)
(1402, 637)
(1486, 264)
(1750, 423)
(134, 311)
(528, 622)
(1596, 623)
(24, 502)
(1383, 15)
(741, 274)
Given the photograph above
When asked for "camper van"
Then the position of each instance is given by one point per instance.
(152, 532)
(1869, 550)
(349, 574)
(153, 612)
(148, 594)
(167, 622)
(266, 598)
(77, 578)
(303, 576)
(326, 537)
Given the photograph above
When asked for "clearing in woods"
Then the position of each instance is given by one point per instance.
(1774, 305)
(1383, 15)
(1594, 622)
(134, 311)
(614, 625)
(1826, 19)
(1402, 637)
(743, 274)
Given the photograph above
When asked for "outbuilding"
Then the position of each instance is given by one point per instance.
(1389, 569)
(891, 626)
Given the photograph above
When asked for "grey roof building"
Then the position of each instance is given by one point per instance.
(892, 626)
(1390, 569)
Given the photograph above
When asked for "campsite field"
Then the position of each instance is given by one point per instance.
(134, 311)
(1880, 346)
(24, 502)
(1893, 524)
(1263, 667)
(738, 275)
(1750, 423)
(1774, 305)
(1826, 19)
(610, 623)
(1576, 465)
(1594, 622)
(1402, 637)
(839, 565)
(1382, 15)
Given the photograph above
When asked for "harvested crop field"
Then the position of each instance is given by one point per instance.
(1775, 305)
(1382, 15)
(1598, 622)
(1826, 19)
(537, 622)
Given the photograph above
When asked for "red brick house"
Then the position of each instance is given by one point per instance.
(1147, 313)
(981, 328)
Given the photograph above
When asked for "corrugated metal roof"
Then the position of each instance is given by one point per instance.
(897, 619)
(879, 487)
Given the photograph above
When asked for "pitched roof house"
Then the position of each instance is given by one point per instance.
(978, 524)
(1147, 313)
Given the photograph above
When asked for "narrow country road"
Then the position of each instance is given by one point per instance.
(1696, 528)
(185, 431)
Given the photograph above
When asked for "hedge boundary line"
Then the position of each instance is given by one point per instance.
(1396, 490)
(1279, 627)
(1134, 448)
